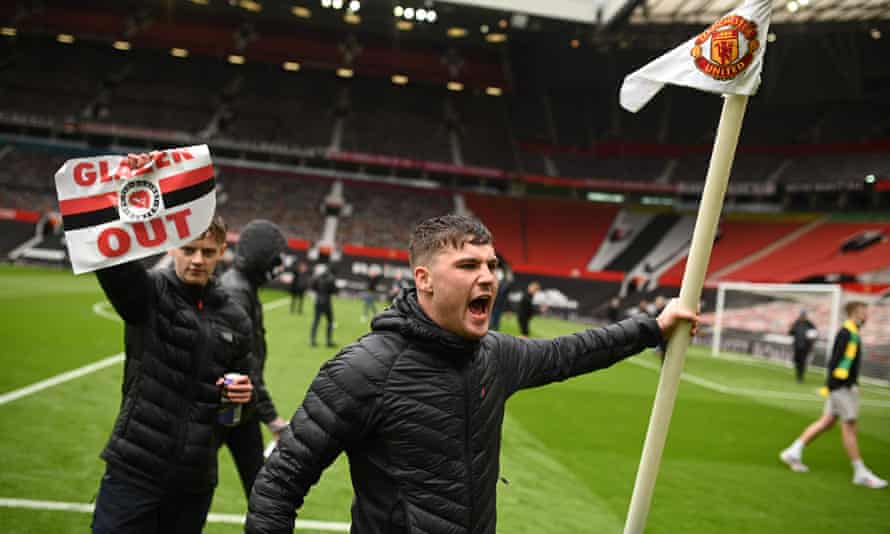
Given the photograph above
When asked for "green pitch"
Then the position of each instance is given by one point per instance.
(570, 450)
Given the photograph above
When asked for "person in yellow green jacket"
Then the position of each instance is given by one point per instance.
(842, 400)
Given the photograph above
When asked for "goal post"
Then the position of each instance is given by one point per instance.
(774, 307)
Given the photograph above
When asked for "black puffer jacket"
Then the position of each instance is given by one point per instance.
(418, 410)
(179, 340)
(243, 291)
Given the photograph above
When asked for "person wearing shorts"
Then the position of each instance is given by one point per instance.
(842, 400)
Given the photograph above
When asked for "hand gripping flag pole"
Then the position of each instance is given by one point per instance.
(726, 58)
(690, 293)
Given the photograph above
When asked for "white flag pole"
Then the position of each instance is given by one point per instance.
(690, 293)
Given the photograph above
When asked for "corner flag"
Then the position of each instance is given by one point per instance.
(726, 58)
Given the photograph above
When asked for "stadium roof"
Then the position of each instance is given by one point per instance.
(784, 11)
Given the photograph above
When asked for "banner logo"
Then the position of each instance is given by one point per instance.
(733, 43)
(139, 200)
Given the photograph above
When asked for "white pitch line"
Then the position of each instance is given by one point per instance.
(277, 303)
(61, 378)
(881, 386)
(100, 309)
(233, 519)
(748, 392)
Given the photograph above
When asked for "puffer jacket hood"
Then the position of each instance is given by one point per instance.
(406, 317)
(419, 411)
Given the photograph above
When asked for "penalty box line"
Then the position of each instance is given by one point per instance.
(233, 519)
(748, 392)
(100, 309)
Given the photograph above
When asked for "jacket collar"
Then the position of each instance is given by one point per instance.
(208, 295)
(406, 317)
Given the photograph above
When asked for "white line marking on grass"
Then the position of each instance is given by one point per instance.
(277, 303)
(234, 519)
(748, 392)
(101, 309)
(61, 378)
(781, 365)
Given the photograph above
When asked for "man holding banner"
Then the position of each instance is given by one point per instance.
(182, 332)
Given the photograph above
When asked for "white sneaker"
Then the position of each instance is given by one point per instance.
(793, 461)
(869, 480)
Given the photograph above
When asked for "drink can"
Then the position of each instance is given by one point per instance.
(229, 412)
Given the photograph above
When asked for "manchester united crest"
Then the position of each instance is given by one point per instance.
(139, 200)
(727, 48)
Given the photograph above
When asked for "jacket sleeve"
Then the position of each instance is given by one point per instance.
(129, 287)
(335, 415)
(263, 401)
(527, 363)
(839, 356)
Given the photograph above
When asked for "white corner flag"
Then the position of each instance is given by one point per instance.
(726, 58)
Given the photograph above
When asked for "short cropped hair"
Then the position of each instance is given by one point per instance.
(854, 305)
(217, 230)
(434, 234)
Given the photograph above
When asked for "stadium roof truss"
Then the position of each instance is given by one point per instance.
(784, 11)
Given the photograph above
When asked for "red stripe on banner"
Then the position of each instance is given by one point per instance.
(186, 179)
(73, 206)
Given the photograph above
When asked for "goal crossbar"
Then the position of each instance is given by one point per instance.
(833, 290)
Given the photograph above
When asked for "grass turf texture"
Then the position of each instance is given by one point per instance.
(570, 450)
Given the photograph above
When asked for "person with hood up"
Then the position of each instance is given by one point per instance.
(257, 260)
(418, 404)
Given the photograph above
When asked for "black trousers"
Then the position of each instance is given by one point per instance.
(800, 363)
(126, 507)
(328, 313)
(245, 443)
(523, 323)
(296, 300)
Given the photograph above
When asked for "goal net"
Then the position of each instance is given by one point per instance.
(756, 318)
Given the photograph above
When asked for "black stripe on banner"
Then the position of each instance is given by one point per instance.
(89, 218)
(107, 215)
(188, 194)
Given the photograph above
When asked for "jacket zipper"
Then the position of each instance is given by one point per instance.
(190, 394)
(468, 399)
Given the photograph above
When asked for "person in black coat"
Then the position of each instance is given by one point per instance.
(418, 404)
(505, 282)
(298, 285)
(257, 260)
(527, 308)
(804, 333)
(182, 334)
(324, 284)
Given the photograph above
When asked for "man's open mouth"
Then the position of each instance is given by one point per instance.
(480, 305)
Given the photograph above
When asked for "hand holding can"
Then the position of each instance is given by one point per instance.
(236, 390)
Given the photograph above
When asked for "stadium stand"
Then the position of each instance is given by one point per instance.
(294, 202)
(383, 216)
(13, 233)
(486, 139)
(504, 217)
(818, 253)
(564, 234)
(268, 105)
(737, 239)
(396, 120)
(643, 242)
(625, 226)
